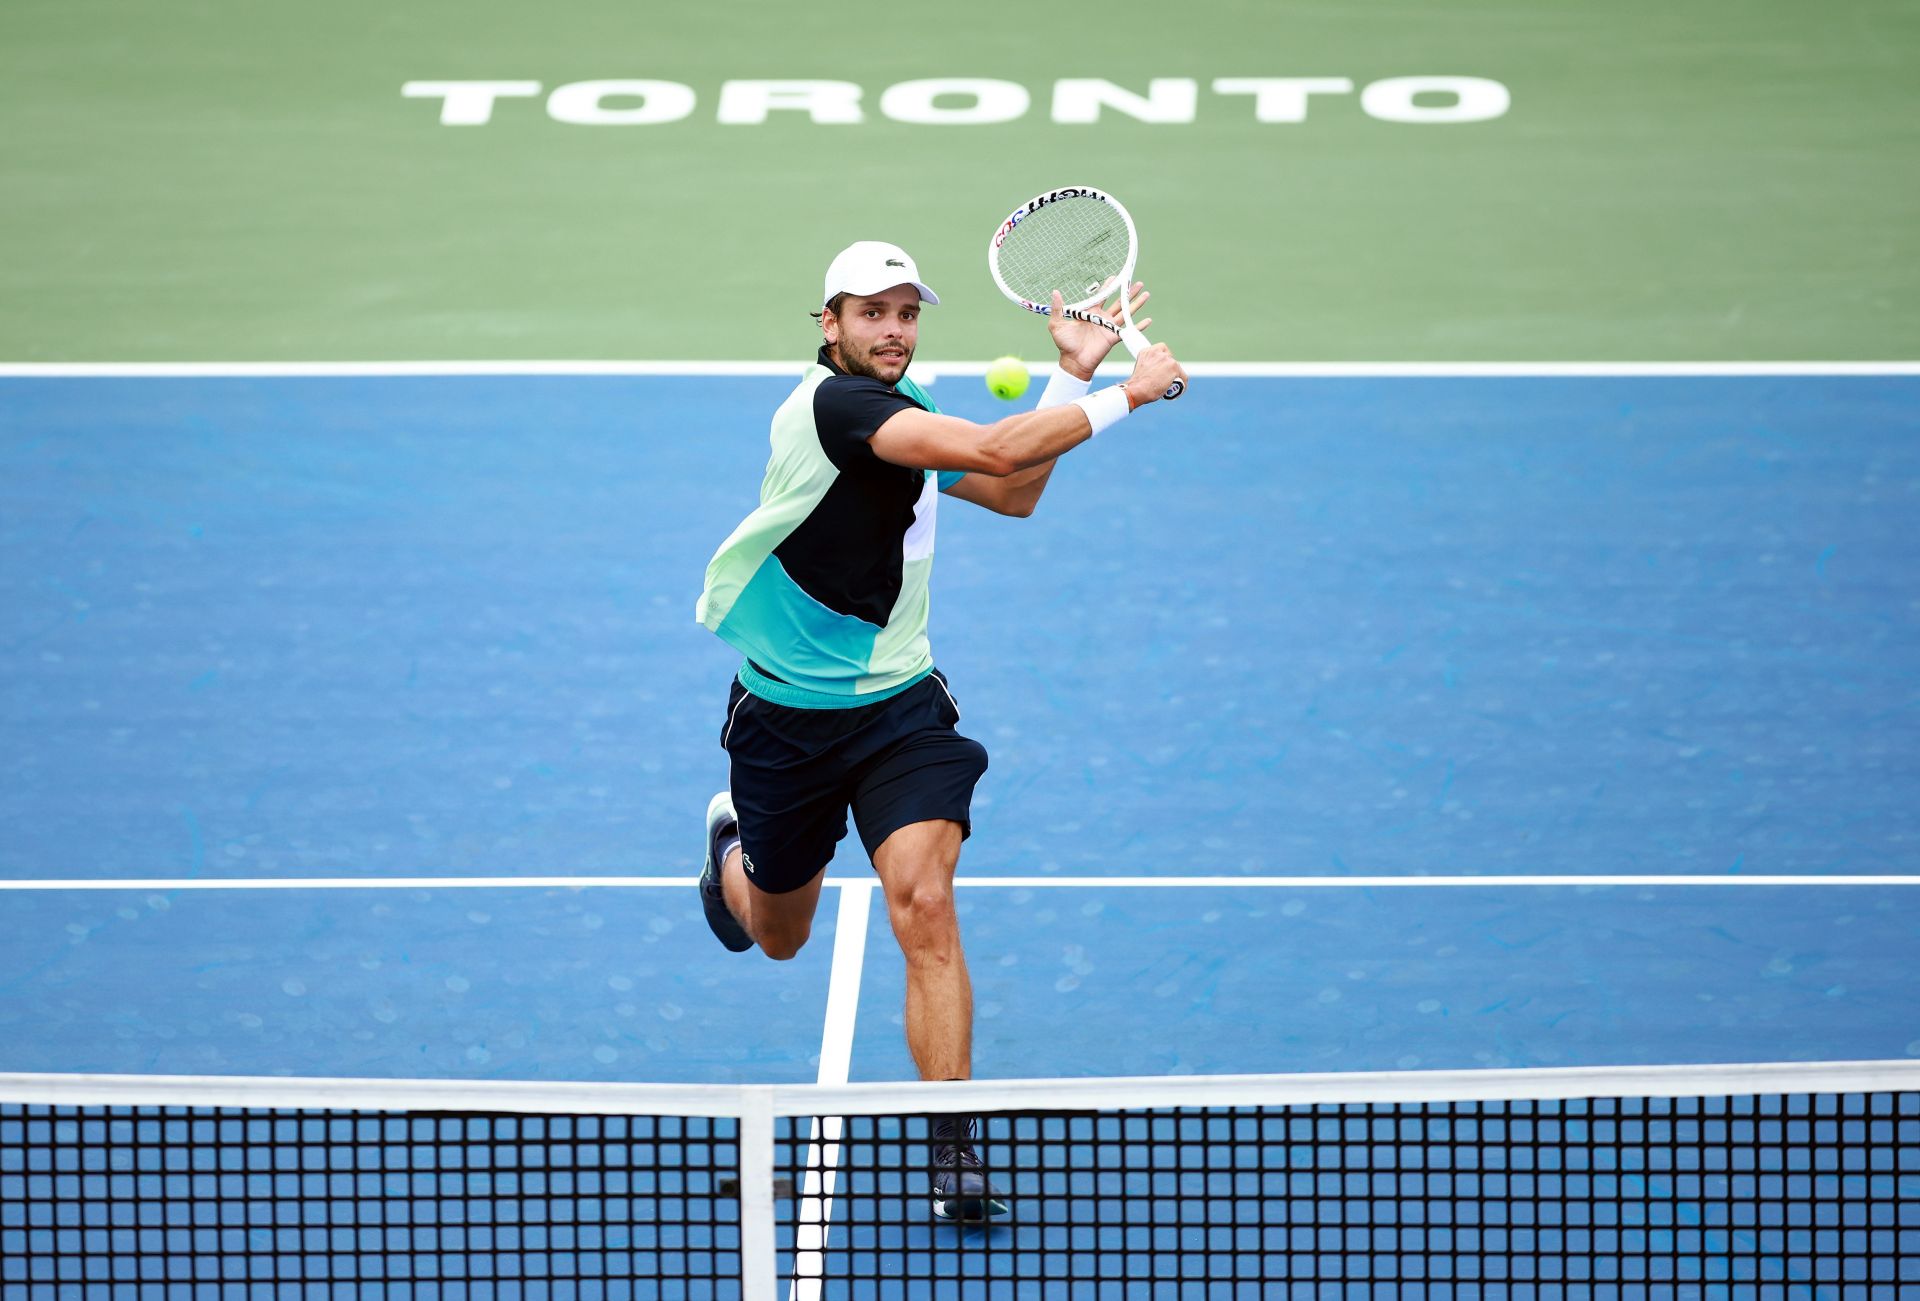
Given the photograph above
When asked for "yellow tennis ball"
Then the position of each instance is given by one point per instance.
(1007, 378)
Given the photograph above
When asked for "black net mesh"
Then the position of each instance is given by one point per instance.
(191, 1203)
(1801, 1195)
(1811, 1196)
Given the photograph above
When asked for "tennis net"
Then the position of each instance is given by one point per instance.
(1738, 1181)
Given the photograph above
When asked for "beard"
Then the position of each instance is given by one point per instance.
(863, 363)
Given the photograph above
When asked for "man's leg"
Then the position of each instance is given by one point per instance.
(916, 865)
(779, 916)
(778, 923)
(913, 805)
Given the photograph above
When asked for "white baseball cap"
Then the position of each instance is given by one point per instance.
(871, 266)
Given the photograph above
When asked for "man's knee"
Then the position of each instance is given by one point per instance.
(924, 919)
(927, 902)
(780, 933)
(782, 947)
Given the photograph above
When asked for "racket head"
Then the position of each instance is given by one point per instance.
(1074, 238)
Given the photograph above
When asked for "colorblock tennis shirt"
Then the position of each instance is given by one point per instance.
(824, 587)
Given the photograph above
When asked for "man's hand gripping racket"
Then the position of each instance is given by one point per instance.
(1078, 243)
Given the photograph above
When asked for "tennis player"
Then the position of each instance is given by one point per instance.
(823, 589)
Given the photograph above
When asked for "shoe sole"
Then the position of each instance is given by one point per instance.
(720, 809)
(720, 803)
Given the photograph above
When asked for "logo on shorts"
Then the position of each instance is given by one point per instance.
(745, 861)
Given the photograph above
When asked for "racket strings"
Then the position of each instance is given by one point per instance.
(1077, 246)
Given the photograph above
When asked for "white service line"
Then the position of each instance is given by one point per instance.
(856, 884)
(351, 883)
(1418, 882)
(388, 369)
(822, 1163)
(930, 369)
(1529, 369)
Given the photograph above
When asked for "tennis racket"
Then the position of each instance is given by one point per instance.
(1080, 241)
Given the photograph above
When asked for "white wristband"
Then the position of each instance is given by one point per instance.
(1107, 407)
(1062, 388)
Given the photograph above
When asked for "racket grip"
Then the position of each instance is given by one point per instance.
(1136, 344)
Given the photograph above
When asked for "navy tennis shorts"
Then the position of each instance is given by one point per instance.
(795, 772)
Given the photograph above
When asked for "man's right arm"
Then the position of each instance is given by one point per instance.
(923, 440)
(926, 441)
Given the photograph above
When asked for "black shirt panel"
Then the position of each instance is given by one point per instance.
(847, 409)
(847, 553)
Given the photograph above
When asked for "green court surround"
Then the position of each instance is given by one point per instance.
(220, 180)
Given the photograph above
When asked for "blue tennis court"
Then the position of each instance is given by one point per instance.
(358, 726)
(289, 628)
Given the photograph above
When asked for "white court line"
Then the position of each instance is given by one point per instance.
(822, 1163)
(1420, 882)
(854, 885)
(930, 369)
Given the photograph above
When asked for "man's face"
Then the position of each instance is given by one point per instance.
(874, 334)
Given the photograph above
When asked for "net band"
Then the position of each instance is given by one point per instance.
(540, 1097)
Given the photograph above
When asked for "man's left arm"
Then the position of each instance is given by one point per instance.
(1016, 495)
(1083, 345)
